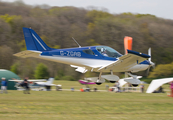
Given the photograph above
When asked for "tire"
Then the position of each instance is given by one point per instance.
(98, 83)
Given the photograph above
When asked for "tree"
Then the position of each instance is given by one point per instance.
(56, 26)
(6, 57)
(162, 70)
(41, 72)
(14, 68)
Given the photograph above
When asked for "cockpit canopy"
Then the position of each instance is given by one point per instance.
(108, 51)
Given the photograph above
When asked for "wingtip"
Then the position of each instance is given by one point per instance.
(139, 54)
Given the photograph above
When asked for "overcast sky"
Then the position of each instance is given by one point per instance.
(160, 8)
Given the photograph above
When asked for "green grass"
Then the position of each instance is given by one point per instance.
(66, 105)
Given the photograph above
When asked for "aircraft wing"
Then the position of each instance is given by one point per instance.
(37, 80)
(126, 61)
(16, 80)
(29, 80)
(44, 84)
(51, 85)
(157, 83)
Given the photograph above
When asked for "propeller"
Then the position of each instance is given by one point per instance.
(151, 64)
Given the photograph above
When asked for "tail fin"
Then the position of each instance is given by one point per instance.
(50, 81)
(33, 41)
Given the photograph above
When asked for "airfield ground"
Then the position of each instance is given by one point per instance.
(67, 105)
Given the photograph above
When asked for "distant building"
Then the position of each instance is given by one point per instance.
(9, 75)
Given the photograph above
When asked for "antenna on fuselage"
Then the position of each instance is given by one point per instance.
(76, 42)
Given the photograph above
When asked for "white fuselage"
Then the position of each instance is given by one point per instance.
(93, 64)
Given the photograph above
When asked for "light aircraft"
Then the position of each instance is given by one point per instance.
(91, 58)
(85, 82)
(36, 84)
(157, 83)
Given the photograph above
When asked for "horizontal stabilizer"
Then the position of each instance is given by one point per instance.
(28, 53)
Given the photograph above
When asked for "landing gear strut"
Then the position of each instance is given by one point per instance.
(112, 74)
(98, 82)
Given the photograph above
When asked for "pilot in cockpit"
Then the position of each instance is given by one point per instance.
(104, 52)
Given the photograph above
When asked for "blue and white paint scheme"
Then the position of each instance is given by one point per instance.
(91, 58)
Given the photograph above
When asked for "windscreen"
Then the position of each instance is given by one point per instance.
(108, 51)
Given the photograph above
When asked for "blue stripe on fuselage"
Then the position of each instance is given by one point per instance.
(77, 53)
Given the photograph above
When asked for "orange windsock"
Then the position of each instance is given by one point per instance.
(127, 43)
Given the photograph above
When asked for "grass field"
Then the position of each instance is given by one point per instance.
(67, 105)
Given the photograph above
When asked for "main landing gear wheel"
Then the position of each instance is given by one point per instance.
(112, 81)
(98, 83)
(135, 85)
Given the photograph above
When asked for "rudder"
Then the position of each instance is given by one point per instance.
(50, 81)
(33, 41)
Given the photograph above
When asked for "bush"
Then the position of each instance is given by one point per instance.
(14, 68)
(57, 78)
(162, 70)
(41, 72)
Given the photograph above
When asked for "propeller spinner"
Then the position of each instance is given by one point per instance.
(150, 62)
